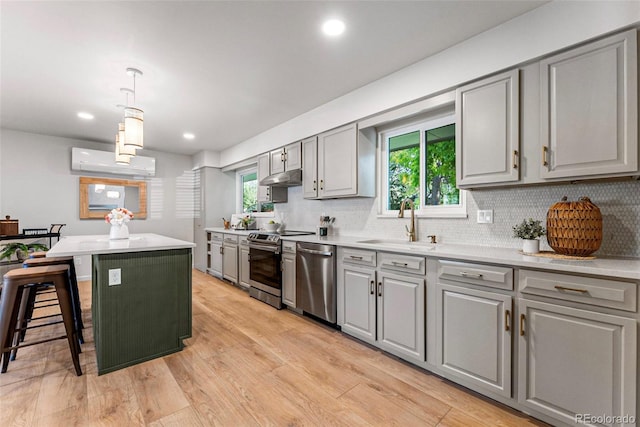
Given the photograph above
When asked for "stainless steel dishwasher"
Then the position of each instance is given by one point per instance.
(316, 280)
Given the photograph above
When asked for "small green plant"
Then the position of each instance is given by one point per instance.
(12, 248)
(529, 229)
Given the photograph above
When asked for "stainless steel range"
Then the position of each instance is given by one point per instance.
(265, 272)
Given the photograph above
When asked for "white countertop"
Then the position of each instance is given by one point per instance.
(100, 244)
(611, 267)
(231, 231)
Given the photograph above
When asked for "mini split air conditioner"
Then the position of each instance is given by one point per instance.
(86, 160)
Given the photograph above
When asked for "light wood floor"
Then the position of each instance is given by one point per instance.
(246, 364)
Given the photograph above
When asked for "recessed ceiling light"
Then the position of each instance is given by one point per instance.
(188, 135)
(333, 27)
(85, 116)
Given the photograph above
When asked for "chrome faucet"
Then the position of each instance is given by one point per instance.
(411, 232)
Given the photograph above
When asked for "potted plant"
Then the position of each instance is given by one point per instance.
(529, 230)
(21, 250)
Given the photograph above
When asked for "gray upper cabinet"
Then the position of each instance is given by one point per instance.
(345, 161)
(263, 172)
(286, 158)
(487, 131)
(310, 168)
(589, 110)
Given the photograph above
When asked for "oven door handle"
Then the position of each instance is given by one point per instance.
(268, 248)
(314, 252)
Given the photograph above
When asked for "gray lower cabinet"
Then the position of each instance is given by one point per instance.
(359, 297)
(384, 308)
(289, 273)
(243, 263)
(474, 337)
(574, 361)
(230, 258)
(401, 313)
(214, 254)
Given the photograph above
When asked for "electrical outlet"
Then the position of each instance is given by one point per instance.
(485, 216)
(115, 276)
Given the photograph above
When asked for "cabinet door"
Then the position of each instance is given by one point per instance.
(589, 110)
(244, 266)
(293, 156)
(215, 269)
(277, 163)
(264, 193)
(401, 312)
(289, 279)
(358, 302)
(230, 263)
(488, 131)
(338, 162)
(575, 361)
(474, 337)
(310, 168)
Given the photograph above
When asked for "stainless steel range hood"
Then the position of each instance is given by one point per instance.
(290, 178)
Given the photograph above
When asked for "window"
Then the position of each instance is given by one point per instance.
(248, 194)
(419, 163)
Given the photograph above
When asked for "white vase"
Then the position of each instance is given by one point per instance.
(531, 246)
(118, 232)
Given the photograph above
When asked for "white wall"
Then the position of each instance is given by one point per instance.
(550, 27)
(38, 188)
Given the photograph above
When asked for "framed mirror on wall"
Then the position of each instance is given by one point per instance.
(99, 195)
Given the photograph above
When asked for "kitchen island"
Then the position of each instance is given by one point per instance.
(141, 295)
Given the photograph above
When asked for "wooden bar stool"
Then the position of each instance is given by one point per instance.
(75, 294)
(14, 283)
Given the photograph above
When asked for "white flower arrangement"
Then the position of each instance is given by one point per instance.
(118, 216)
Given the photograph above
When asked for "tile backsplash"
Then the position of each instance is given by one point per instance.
(619, 203)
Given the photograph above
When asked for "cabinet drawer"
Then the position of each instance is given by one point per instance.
(406, 263)
(359, 256)
(244, 241)
(476, 274)
(289, 247)
(231, 239)
(587, 290)
(217, 237)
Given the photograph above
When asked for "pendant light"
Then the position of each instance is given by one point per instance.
(133, 118)
(121, 159)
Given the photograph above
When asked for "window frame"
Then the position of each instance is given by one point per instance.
(423, 123)
(240, 173)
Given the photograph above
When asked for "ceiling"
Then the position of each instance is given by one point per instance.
(222, 70)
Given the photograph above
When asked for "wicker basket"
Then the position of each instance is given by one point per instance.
(574, 228)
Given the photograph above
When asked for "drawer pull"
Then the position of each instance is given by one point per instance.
(379, 289)
(371, 287)
(355, 257)
(515, 159)
(398, 263)
(545, 150)
(471, 275)
(564, 288)
(522, 320)
(507, 320)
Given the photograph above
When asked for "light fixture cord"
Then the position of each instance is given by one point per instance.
(134, 88)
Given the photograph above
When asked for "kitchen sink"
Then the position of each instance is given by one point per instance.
(423, 246)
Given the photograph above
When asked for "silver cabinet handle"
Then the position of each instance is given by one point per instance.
(471, 275)
(564, 288)
(355, 257)
(398, 263)
(371, 287)
(379, 289)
